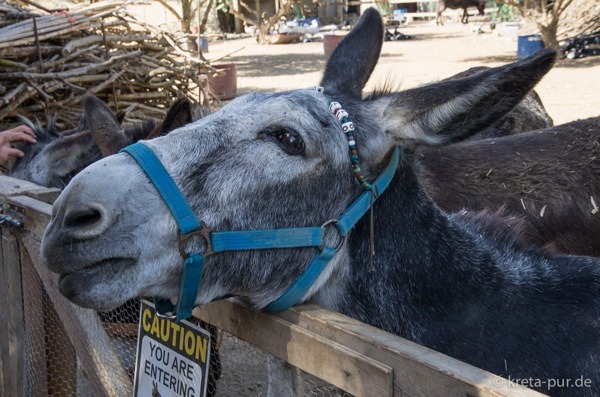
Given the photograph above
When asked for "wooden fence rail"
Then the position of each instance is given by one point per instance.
(350, 355)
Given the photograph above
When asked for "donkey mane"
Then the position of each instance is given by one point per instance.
(499, 225)
(43, 133)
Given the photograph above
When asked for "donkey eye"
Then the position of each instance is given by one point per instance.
(291, 142)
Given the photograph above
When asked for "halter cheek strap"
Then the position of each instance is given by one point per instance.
(188, 225)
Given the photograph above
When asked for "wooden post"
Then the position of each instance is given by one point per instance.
(239, 24)
(417, 370)
(352, 372)
(12, 322)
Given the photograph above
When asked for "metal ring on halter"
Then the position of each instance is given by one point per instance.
(342, 238)
(203, 232)
(172, 316)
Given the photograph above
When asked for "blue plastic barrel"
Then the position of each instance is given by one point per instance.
(203, 44)
(529, 45)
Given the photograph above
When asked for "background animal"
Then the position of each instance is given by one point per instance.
(457, 4)
(57, 157)
(549, 177)
(271, 161)
(528, 115)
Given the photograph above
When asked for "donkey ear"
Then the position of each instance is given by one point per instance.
(106, 130)
(120, 116)
(355, 57)
(71, 153)
(178, 115)
(453, 110)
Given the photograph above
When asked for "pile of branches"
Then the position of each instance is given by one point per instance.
(50, 59)
(582, 17)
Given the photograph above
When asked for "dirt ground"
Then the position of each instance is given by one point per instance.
(570, 91)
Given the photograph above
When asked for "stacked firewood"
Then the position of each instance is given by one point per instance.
(50, 60)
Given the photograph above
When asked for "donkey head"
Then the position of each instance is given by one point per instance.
(481, 7)
(264, 161)
(57, 157)
(111, 137)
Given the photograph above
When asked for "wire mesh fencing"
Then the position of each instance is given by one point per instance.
(237, 369)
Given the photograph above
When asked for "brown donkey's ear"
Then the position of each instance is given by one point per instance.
(179, 114)
(106, 129)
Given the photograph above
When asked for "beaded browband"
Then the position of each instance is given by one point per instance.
(348, 128)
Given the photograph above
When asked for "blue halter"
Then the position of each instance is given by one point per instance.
(250, 239)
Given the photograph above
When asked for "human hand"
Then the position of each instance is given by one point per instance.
(21, 133)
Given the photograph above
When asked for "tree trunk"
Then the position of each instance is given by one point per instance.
(265, 23)
(186, 15)
(257, 8)
(202, 27)
(549, 34)
(263, 33)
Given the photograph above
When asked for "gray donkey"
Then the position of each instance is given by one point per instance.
(273, 161)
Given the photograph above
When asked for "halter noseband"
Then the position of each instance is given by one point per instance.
(249, 239)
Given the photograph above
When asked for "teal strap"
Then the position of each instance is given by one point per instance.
(344, 224)
(250, 240)
(267, 239)
(164, 184)
(187, 222)
(190, 285)
(301, 286)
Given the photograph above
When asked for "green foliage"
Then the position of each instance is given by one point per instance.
(506, 13)
(297, 11)
(221, 5)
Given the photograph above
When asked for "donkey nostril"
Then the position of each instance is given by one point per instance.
(82, 217)
(86, 221)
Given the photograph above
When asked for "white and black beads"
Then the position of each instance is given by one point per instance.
(348, 128)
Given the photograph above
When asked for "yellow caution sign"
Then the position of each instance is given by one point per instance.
(172, 358)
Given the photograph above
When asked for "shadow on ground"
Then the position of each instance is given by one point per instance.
(278, 65)
(493, 59)
(248, 90)
(586, 62)
(430, 36)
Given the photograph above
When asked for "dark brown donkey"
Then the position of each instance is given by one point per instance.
(528, 115)
(549, 177)
(457, 4)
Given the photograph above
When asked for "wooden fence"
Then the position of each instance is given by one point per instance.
(46, 342)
